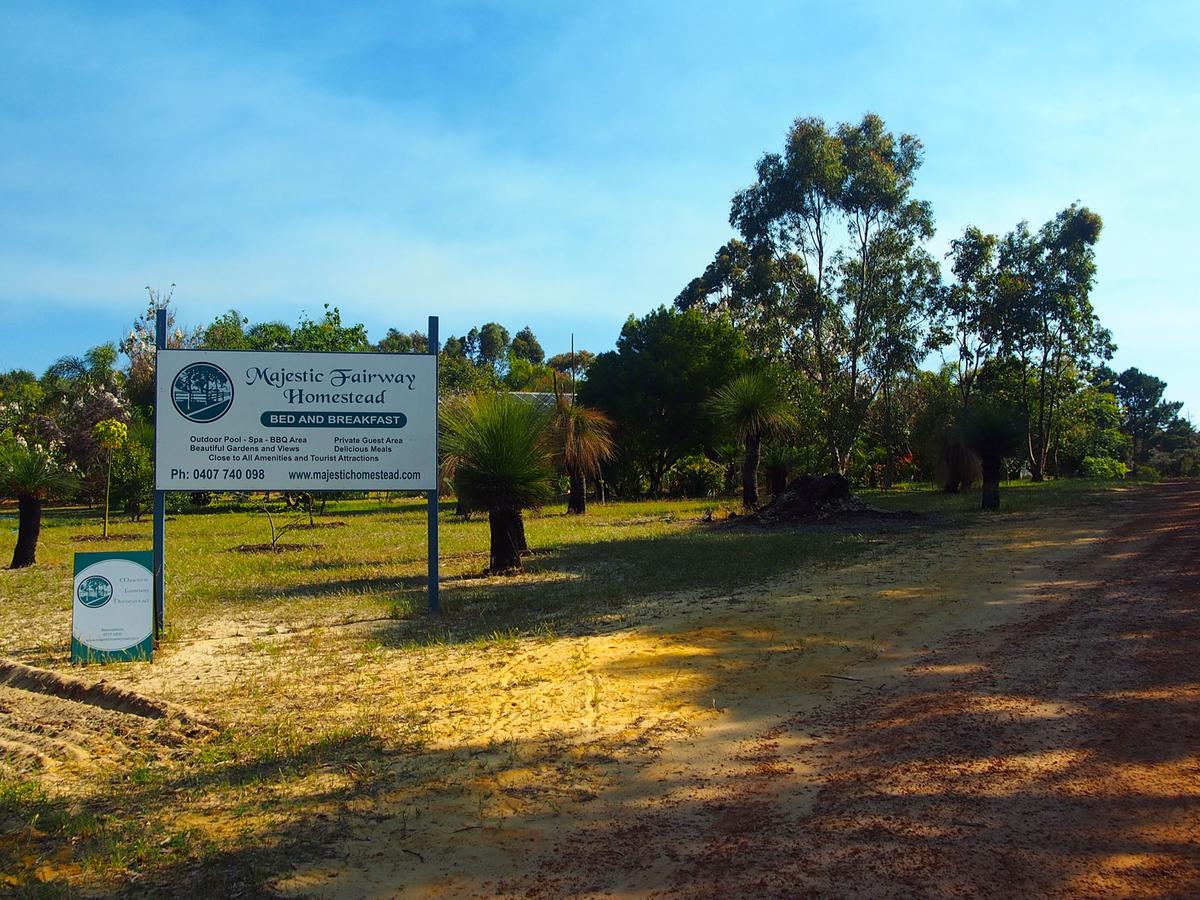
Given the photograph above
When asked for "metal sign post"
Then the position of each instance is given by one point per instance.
(160, 497)
(432, 496)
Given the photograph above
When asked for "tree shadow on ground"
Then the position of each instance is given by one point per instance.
(1055, 756)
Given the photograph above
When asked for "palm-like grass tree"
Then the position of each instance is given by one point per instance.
(499, 451)
(753, 406)
(992, 433)
(584, 439)
(31, 475)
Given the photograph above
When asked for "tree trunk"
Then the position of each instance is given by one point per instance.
(991, 481)
(655, 483)
(107, 493)
(776, 479)
(577, 498)
(750, 473)
(29, 526)
(835, 457)
(522, 544)
(507, 537)
(843, 463)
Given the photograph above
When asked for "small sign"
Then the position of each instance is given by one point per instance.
(112, 618)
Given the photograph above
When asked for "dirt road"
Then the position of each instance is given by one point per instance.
(1058, 754)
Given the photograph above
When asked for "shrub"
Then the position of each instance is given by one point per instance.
(1178, 463)
(133, 480)
(695, 476)
(1102, 467)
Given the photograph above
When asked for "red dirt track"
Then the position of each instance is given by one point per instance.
(1055, 756)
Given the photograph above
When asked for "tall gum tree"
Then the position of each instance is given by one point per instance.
(1046, 324)
(815, 226)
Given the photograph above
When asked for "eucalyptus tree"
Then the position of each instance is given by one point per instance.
(396, 341)
(743, 284)
(1045, 320)
(965, 313)
(573, 364)
(526, 346)
(810, 277)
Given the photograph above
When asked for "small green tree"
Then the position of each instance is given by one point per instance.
(133, 479)
(110, 435)
(499, 452)
(752, 406)
(31, 474)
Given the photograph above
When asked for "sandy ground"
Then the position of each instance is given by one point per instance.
(740, 744)
(1006, 709)
(1054, 755)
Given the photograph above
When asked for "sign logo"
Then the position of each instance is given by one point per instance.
(202, 392)
(95, 591)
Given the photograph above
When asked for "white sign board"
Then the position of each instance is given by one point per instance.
(112, 617)
(241, 420)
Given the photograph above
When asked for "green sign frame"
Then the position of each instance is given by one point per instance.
(111, 593)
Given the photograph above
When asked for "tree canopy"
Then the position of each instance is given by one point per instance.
(656, 383)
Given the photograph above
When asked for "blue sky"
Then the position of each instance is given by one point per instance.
(556, 165)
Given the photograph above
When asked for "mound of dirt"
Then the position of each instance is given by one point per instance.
(97, 693)
(817, 497)
(49, 720)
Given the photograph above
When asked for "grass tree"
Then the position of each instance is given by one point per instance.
(777, 461)
(31, 474)
(753, 406)
(584, 439)
(992, 433)
(500, 450)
